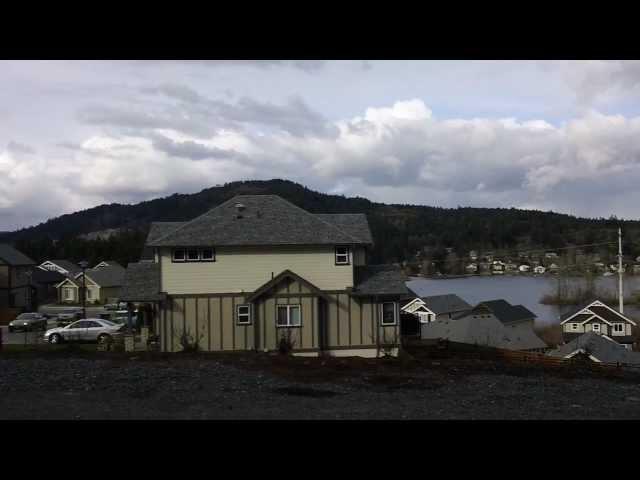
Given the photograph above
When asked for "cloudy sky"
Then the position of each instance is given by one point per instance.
(552, 135)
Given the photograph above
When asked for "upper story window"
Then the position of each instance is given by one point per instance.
(388, 313)
(243, 314)
(596, 327)
(194, 255)
(618, 327)
(342, 256)
(574, 326)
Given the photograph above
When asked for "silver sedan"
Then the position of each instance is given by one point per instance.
(86, 330)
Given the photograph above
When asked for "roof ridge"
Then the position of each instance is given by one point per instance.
(194, 219)
(317, 218)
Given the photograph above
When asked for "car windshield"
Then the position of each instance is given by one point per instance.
(108, 322)
(26, 316)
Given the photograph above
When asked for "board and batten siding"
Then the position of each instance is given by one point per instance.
(351, 323)
(241, 270)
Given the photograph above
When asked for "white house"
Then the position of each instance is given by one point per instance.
(539, 270)
(599, 318)
(524, 268)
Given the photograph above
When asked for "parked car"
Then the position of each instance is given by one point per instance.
(121, 316)
(28, 321)
(86, 330)
(69, 315)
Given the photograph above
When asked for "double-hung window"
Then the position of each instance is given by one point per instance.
(618, 327)
(288, 316)
(179, 255)
(193, 255)
(596, 327)
(207, 255)
(574, 326)
(243, 314)
(388, 313)
(342, 256)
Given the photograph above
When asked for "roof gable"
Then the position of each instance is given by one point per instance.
(596, 307)
(12, 256)
(448, 303)
(282, 276)
(107, 276)
(263, 220)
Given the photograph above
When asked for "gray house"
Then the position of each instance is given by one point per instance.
(13, 267)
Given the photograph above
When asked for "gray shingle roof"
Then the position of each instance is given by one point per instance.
(13, 257)
(141, 283)
(488, 331)
(602, 348)
(507, 313)
(67, 265)
(355, 224)
(107, 276)
(380, 280)
(111, 263)
(448, 303)
(265, 220)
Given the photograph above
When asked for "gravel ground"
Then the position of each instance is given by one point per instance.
(206, 387)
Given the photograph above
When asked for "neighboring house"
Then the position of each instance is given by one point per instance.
(484, 267)
(103, 285)
(41, 288)
(13, 266)
(498, 267)
(471, 268)
(597, 317)
(539, 270)
(257, 271)
(511, 267)
(517, 320)
(553, 268)
(550, 255)
(435, 307)
(524, 268)
(473, 255)
(107, 263)
(484, 330)
(64, 267)
(597, 348)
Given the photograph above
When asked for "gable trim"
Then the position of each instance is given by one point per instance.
(277, 279)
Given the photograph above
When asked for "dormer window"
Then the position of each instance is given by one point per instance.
(342, 256)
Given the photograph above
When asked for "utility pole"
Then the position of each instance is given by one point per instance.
(620, 291)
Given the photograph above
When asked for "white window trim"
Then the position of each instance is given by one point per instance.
(211, 259)
(173, 255)
(574, 326)
(347, 255)
(288, 307)
(395, 315)
(594, 325)
(68, 293)
(618, 324)
(247, 315)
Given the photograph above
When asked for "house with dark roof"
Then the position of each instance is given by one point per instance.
(103, 285)
(107, 263)
(596, 347)
(257, 270)
(595, 316)
(13, 266)
(418, 311)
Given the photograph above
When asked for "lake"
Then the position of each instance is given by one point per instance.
(518, 290)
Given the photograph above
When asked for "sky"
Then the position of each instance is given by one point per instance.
(545, 135)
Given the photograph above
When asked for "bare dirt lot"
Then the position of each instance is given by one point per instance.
(76, 385)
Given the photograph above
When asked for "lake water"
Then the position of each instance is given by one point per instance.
(518, 290)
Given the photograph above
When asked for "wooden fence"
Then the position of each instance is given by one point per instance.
(446, 349)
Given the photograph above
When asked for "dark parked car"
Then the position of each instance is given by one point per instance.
(28, 321)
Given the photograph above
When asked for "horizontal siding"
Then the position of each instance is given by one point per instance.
(246, 269)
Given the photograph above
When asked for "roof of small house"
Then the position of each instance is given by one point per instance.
(505, 312)
(12, 256)
(380, 280)
(447, 303)
(603, 312)
(110, 263)
(67, 265)
(262, 220)
(599, 346)
(111, 276)
(141, 283)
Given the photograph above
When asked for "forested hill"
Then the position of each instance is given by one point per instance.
(399, 230)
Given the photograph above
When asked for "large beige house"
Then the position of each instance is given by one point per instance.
(257, 269)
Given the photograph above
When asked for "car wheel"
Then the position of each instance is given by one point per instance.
(104, 338)
(55, 338)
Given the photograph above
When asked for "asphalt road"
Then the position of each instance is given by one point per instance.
(22, 338)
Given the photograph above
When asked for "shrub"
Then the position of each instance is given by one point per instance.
(286, 343)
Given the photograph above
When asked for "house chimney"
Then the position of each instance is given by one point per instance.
(239, 209)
